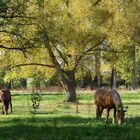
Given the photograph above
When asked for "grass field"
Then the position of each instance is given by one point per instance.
(55, 120)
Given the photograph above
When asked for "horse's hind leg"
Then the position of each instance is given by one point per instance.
(98, 112)
(3, 109)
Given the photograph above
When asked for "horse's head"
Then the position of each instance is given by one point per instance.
(121, 114)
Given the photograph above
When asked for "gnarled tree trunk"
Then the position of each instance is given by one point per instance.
(133, 79)
(113, 79)
(67, 78)
(70, 86)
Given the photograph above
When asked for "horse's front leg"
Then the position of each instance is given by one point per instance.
(101, 111)
(114, 116)
(3, 111)
(107, 115)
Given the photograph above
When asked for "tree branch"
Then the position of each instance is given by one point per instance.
(12, 48)
(16, 16)
(32, 64)
(61, 55)
(67, 6)
(23, 49)
(57, 65)
(97, 2)
(86, 51)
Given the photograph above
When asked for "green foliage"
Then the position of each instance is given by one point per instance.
(2, 83)
(76, 33)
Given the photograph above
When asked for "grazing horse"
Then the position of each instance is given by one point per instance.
(5, 98)
(109, 99)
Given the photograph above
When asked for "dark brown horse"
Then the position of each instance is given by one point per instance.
(109, 99)
(5, 98)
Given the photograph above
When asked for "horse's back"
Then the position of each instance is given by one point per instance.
(101, 93)
(103, 98)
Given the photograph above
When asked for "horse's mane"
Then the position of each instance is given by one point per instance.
(116, 98)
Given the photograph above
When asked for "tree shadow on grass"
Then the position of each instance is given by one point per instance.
(66, 128)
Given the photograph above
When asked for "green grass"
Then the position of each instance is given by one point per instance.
(55, 120)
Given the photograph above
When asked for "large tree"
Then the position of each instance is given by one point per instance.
(61, 34)
(60, 31)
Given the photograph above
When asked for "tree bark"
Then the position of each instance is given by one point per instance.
(97, 81)
(8, 85)
(113, 79)
(97, 69)
(67, 7)
(133, 81)
(70, 87)
(23, 83)
(67, 78)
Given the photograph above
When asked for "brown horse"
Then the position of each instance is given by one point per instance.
(109, 99)
(5, 98)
